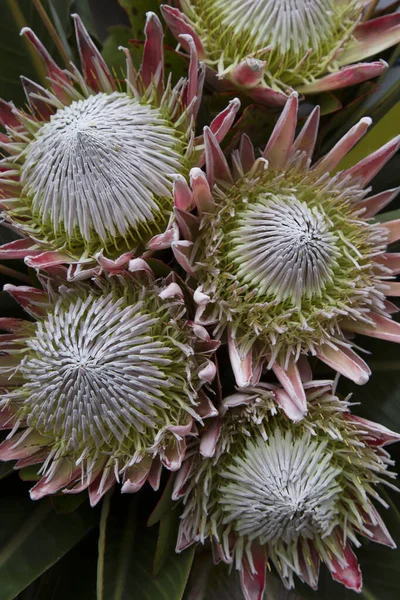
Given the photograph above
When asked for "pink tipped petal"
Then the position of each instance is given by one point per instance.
(22, 446)
(182, 251)
(192, 86)
(346, 362)
(378, 530)
(217, 166)
(288, 405)
(350, 575)
(365, 170)
(205, 408)
(188, 224)
(179, 24)
(372, 37)
(172, 456)
(393, 288)
(304, 369)
(291, 382)
(154, 477)
(209, 439)
(31, 299)
(64, 475)
(374, 204)
(182, 194)
(242, 367)
(56, 74)
(46, 259)
(280, 143)
(7, 116)
(153, 54)
(344, 145)
(393, 229)
(382, 328)
(136, 476)
(208, 372)
(113, 266)
(309, 563)
(381, 435)
(100, 486)
(37, 99)
(171, 291)
(19, 249)
(249, 72)
(201, 191)
(269, 97)
(253, 584)
(305, 141)
(223, 122)
(183, 542)
(390, 260)
(138, 264)
(181, 478)
(10, 324)
(247, 156)
(164, 240)
(345, 77)
(94, 68)
(131, 73)
(390, 308)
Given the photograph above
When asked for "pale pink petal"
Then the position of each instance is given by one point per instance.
(248, 73)
(305, 141)
(179, 24)
(304, 369)
(131, 73)
(46, 259)
(138, 264)
(183, 542)
(96, 72)
(268, 96)
(278, 149)
(188, 224)
(393, 229)
(253, 584)
(378, 530)
(21, 445)
(205, 409)
(350, 575)
(224, 120)
(390, 260)
(383, 328)
(217, 166)
(182, 251)
(154, 477)
(289, 406)
(209, 439)
(346, 362)
(64, 475)
(344, 145)
(309, 564)
(19, 249)
(365, 170)
(201, 191)
(374, 204)
(113, 266)
(172, 291)
(153, 54)
(136, 476)
(381, 435)
(164, 240)
(393, 288)
(100, 486)
(34, 301)
(172, 456)
(291, 382)
(345, 77)
(208, 372)
(372, 37)
(242, 366)
(181, 478)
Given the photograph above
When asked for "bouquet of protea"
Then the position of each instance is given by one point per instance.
(197, 277)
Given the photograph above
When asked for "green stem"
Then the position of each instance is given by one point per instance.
(105, 511)
(52, 31)
(15, 274)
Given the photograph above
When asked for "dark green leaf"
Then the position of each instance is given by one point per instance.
(136, 11)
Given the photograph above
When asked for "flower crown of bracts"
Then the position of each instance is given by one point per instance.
(267, 49)
(108, 382)
(263, 489)
(117, 157)
(283, 257)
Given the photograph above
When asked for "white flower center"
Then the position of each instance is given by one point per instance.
(96, 371)
(282, 489)
(101, 164)
(283, 24)
(284, 248)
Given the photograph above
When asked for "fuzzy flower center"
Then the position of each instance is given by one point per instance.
(283, 24)
(100, 167)
(281, 489)
(99, 372)
(284, 248)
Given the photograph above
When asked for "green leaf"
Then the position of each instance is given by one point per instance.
(129, 556)
(33, 537)
(166, 542)
(136, 11)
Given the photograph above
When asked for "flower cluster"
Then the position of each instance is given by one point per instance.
(155, 253)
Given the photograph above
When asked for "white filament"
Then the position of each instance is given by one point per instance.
(100, 164)
(282, 489)
(95, 372)
(284, 248)
(283, 24)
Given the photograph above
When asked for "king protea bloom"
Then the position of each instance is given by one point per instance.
(106, 384)
(264, 490)
(267, 48)
(285, 256)
(93, 165)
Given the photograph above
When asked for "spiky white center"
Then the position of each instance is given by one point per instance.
(100, 164)
(283, 248)
(281, 489)
(95, 372)
(283, 24)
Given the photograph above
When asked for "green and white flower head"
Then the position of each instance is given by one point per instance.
(106, 384)
(264, 490)
(269, 48)
(285, 256)
(94, 165)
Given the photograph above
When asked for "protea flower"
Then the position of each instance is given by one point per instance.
(106, 384)
(285, 256)
(269, 48)
(92, 167)
(292, 494)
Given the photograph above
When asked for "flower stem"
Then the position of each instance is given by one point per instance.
(15, 274)
(52, 31)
